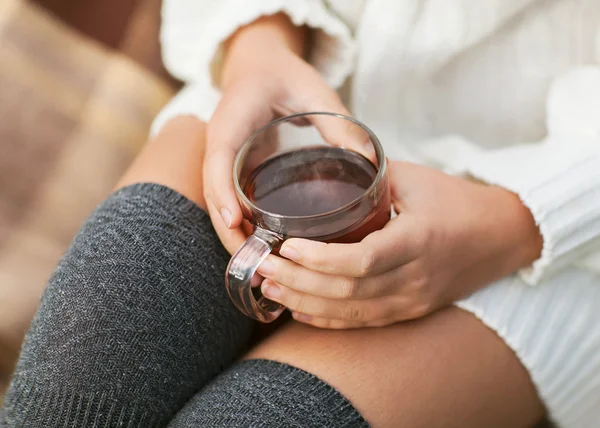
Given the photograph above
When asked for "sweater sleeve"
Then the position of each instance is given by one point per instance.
(559, 178)
(193, 32)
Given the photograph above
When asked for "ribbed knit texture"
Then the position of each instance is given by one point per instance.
(133, 322)
(555, 331)
(136, 320)
(558, 179)
(563, 196)
(268, 394)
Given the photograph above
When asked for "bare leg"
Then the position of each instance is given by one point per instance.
(174, 159)
(447, 369)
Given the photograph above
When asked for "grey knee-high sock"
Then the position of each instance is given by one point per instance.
(268, 394)
(134, 321)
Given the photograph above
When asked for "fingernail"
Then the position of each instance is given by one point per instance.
(302, 317)
(266, 268)
(271, 290)
(289, 253)
(226, 215)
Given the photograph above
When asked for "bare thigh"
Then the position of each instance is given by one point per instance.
(447, 369)
(173, 158)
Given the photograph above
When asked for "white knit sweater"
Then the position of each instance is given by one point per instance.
(505, 90)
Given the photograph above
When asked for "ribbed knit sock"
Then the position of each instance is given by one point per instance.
(134, 321)
(268, 394)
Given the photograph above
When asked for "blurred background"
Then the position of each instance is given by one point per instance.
(80, 81)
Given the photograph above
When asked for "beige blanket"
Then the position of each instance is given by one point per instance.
(72, 116)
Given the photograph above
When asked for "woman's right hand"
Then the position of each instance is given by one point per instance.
(264, 76)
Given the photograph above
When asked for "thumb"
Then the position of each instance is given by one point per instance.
(334, 130)
(237, 116)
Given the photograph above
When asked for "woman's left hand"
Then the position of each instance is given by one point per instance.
(452, 237)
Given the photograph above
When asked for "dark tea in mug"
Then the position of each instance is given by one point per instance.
(316, 180)
(293, 180)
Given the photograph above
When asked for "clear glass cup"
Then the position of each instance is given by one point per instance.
(289, 144)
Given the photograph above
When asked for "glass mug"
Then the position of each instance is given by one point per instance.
(293, 179)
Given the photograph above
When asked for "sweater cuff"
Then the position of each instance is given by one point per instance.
(198, 99)
(192, 38)
(192, 35)
(560, 184)
(559, 179)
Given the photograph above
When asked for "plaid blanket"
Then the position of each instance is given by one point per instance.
(73, 114)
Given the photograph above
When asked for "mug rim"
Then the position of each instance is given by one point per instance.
(381, 159)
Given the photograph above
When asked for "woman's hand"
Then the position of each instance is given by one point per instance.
(264, 76)
(452, 237)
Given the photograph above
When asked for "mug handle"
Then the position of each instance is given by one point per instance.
(241, 270)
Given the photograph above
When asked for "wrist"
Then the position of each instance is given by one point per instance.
(257, 43)
(515, 223)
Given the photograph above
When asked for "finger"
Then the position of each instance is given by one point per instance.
(218, 175)
(345, 133)
(338, 132)
(349, 310)
(238, 115)
(232, 239)
(379, 252)
(327, 323)
(406, 313)
(304, 280)
(333, 324)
